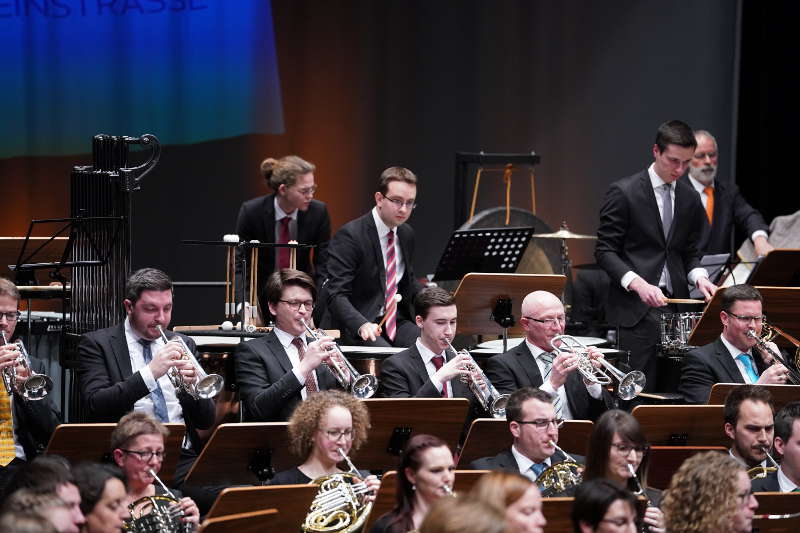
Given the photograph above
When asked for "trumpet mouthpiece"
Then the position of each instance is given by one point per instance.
(631, 469)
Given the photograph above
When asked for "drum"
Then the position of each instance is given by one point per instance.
(675, 331)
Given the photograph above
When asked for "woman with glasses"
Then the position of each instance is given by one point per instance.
(137, 445)
(424, 476)
(618, 452)
(603, 506)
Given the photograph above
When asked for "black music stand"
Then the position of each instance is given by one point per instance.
(483, 250)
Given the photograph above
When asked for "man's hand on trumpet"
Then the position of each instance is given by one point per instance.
(317, 352)
(457, 366)
(776, 374)
(9, 357)
(165, 357)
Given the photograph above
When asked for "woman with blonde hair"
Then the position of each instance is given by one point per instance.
(514, 497)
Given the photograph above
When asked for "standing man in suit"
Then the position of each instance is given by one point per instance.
(124, 368)
(289, 213)
(25, 426)
(749, 424)
(723, 203)
(533, 363)
(733, 357)
(279, 370)
(787, 444)
(370, 261)
(647, 243)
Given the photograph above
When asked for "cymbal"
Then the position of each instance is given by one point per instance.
(563, 234)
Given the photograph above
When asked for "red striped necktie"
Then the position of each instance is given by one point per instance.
(390, 306)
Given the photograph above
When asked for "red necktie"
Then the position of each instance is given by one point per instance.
(283, 253)
(311, 384)
(390, 306)
(438, 361)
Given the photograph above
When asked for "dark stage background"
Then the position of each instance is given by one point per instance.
(370, 84)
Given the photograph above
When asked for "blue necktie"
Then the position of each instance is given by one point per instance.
(159, 403)
(748, 366)
(538, 468)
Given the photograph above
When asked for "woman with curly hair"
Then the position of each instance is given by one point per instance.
(514, 497)
(709, 493)
(321, 429)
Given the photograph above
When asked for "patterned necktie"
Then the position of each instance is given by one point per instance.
(438, 361)
(157, 396)
(311, 383)
(709, 203)
(548, 357)
(7, 449)
(390, 306)
(283, 238)
(748, 366)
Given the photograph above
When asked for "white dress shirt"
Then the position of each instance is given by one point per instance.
(524, 463)
(383, 235)
(734, 351)
(427, 358)
(294, 358)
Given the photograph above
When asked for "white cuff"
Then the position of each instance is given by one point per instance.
(758, 233)
(628, 278)
(697, 273)
(595, 390)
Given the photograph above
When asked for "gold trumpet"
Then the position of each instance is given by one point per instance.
(207, 385)
(760, 472)
(560, 477)
(489, 397)
(36, 386)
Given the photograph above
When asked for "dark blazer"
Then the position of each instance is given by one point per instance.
(730, 208)
(403, 375)
(709, 364)
(356, 283)
(505, 461)
(517, 368)
(631, 237)
(256, 220)
(110, 388)
(268, 387)
(34, 421)
(766, 484)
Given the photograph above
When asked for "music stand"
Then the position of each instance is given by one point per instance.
(481, 297)
(665, 461)
(292, 501)
(779, 268)
(781, 394)
(682, 425)
(91, 442)
(483, 250)
(254, 522)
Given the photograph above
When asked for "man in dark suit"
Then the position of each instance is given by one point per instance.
(289, 213)
(532, 422)
(25, 425)
(532, 363)
(750, 425)
(733, 357)
(370, 262)
(125, 367)
(787, 443)
(279, 370)
(724, 204)
(647, 243)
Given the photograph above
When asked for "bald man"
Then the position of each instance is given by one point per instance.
(531, 363)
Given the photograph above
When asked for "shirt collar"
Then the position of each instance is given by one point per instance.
(655, 179)
(383, 229)
(280, 213)
(523, 461)
(130, 333)
(733, 350)
(699, 187)
(535, 350)
(286, 338)
(425, 353)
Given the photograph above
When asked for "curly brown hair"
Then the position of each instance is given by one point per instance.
(702, 496)
(305, 420)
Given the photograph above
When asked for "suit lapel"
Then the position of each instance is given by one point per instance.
(418, 365)
(726, 361)
(278, 351)
(528, 364)
(649, 197)
(268, 220)
(119, 346)
(375, 245)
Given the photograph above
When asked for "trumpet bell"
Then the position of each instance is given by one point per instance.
(209, 386)
(631, 385)
(499, 404)
(364, 386)
(37, 387)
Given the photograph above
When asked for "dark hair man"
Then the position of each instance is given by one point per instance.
(749, 423)
(787, 444)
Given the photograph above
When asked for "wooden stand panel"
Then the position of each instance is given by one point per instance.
(665, 460)
(291, 501)
(781, 394)
(255, 522)
(682, 425)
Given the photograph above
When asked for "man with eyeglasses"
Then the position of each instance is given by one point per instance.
(787, 444)
(533, 423)
(734, 356)
(750, 425)
(278, 371)
(535, 363)
(25, 426)
(370, 265)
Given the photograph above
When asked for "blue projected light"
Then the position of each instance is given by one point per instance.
(184, 70)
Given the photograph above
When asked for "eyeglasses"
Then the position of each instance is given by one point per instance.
(552, 322)
(295, 305)
(336, 434)
(625, 449)
(399, 204)
(145, 456)
(744, 497)
(747, 319)
(11, 316)
(308, 191)
(619, 522)
(542, 423)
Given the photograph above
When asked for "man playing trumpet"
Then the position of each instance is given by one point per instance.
(278, 371)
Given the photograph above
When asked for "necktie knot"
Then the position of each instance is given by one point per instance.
(748, 366)
(301, 347)
(437, 361)
(538, 468)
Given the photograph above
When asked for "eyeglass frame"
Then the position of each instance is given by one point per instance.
(339, 433)
(11, 316)
(625, 449)
(295, 306)
(747, 319)
(308, 191)
(541, 423)
(549, 321)
(160, 455)
(399, 204)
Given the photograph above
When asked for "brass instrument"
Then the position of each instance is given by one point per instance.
(767, 334)
(362, 386)
(760, 472)
(448, 490)
(489, 397)
(207, 385)
(561, 477)
(340, 505)
(36, 386)
(630, 384)
(159, 513)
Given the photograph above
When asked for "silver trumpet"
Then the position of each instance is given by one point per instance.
(488, 396)
(36, 386)
(207, 385)
(630, 384)
(362, 386)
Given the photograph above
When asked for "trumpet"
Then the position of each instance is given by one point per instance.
(793, 376)
(207, 385)
(489, 397)
(362, 386)
(557, 479)
(630, 384)
(36, 386)
(157, 513)
(760, 472)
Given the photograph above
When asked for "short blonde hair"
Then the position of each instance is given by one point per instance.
(133, 425)
(306, 418)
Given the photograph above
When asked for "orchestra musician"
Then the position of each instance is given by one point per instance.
(47, 505)
(424, 476)
(616, 443)
(281, 369)
(461, 516)
(787, 443)
(103, 497)
(750, 424)
(513, 496)
(603, 506)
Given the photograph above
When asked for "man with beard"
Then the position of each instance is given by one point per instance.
(723, 202)
(750, 425)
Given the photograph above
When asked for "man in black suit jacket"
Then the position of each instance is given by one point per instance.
(262, 219)
(30, 424)
(787, 444)
(733, 357)
(647, 243)
(727, 205)
(525, 365)
(359, 291)
(117, 377)
(274, 373)
(532, 422)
